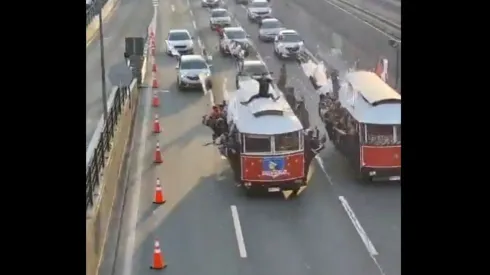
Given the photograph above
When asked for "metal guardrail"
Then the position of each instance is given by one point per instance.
(93, 10)
(101, 142)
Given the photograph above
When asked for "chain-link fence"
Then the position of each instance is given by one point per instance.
(93, 9)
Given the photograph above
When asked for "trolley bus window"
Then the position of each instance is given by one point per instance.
(256, 143)
(380, 135)
(398, 129)
(287, 142)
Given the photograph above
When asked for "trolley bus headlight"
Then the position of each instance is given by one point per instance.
(372, 173)
(247, 184)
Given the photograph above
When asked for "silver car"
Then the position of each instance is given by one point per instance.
(179, 41)
(210, 3)
(219, 17)
(288, 44)
(255, 69)
(269, 28)
(258, 9)
(236, 34)
(189, 69)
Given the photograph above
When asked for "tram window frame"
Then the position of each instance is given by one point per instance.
(299, 139)
(363, 137)
(367, 135)
(246, 137)
(398, 134)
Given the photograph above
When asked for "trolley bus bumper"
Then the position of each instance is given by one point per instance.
(383, 174)
(275, 186)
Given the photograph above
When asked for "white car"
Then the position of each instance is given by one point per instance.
(210, 3)
(179, 41)
(255, 69)
(258, 9)
(219, 17)
(288, 43)
(269, 28)
(189, 69)
(236, 34)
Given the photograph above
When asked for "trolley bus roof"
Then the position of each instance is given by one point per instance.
(369, 99)
(262, 116)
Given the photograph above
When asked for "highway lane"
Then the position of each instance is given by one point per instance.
(194, 226)
(130, 18)
(389, 9)
(377, 206)
(324, 28)
(310, 235)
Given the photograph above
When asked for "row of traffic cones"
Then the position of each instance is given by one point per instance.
(159, 198)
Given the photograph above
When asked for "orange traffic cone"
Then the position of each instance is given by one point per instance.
(158, 155)
(154, 68)
(156, 125)
(158, 260)
(155, 102)
(159, 198)
(155, 83)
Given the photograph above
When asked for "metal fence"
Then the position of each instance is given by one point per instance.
(93, 10)
(97, 153)
(100, 145)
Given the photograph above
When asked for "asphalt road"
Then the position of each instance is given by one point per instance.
(130, 18)
(389, 9)
(309, 235)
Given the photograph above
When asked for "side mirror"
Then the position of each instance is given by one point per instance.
(248, 35)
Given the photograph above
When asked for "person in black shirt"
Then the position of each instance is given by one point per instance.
(264, 84)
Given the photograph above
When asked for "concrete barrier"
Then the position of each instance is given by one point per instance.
(93, 27)
(97, 221)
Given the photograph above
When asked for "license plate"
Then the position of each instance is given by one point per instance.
(274, 189)
(394, 178)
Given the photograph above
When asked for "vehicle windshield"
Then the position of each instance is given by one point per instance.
(193, 65)
(290, 37)
(287, 142)
(219, 14)
(254, 69)
(176, 36)
(382, 135)
(259, 4)
(270, 25)
(238, 34)
(257, 144)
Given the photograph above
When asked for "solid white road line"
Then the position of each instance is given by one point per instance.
(365, 239)
(238, 232)
(172, 7)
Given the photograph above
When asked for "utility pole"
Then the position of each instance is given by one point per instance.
(102, 65)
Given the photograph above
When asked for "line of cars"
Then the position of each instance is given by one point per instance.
(287, 43)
